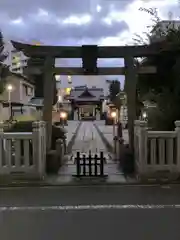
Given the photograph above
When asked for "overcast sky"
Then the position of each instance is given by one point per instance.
(75, 22)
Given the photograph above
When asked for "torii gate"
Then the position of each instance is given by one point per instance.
(89, 55)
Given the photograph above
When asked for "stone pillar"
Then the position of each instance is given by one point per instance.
(98, 115)
(140, 146)
(76, 115)
(130, 88)
(101, 110)
(60, 151)
(48, 98)
(79, 113)
(39, 147)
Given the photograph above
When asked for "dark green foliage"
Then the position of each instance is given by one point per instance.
(163, 88)
(3, 55)
(4, 70)
(114, 89)
(26, 126)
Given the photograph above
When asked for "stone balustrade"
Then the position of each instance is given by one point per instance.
(23, 153)
(157, 153)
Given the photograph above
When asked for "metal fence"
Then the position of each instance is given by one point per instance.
(90, 164)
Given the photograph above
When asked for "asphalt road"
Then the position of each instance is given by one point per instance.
(87, 213)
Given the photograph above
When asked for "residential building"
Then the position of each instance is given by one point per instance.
(17, 98)
(16, 60)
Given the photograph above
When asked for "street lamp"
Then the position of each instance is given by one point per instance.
(144, 115)
(9, 89)
(63, 116)
(113, 115)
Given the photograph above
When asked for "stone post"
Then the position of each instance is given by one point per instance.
(177, 129)
(48, 98)
(130, 88)
(1, 144)
(141, 145)
(60, 151)
(39, 147)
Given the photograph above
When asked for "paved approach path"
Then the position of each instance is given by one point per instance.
(79, 213)
(88, 139)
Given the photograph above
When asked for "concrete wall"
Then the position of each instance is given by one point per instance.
(4, 113)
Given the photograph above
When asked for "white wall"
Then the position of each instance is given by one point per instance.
(18, 93)
(4, 113)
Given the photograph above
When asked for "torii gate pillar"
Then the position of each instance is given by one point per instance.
(48, 98)
(130, 84)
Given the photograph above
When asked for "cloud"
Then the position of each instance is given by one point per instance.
(105, 22)
(60, 8)
(53, 21)
(72, 22)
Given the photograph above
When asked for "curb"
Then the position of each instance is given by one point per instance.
(106, 143)
(71, 142)
(80, 183)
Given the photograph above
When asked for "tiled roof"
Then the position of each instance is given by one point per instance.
(97, 93)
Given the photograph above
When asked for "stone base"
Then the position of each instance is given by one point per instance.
(52, 162)
(12, 178)
(158, 177)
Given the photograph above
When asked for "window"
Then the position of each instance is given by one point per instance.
(16, 58)
(67, 91)
(28, 90)
(69, 79)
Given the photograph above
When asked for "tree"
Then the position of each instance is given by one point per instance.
(114, 89)
(4, 69)
(163, 87)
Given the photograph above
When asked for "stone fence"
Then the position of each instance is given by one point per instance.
(157, 153)
(23, 152)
